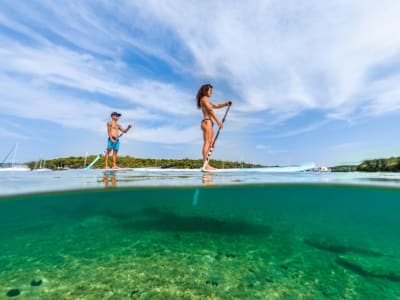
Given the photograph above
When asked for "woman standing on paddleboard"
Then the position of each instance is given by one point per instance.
(203, 102)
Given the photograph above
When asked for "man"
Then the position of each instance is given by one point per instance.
(113, 129)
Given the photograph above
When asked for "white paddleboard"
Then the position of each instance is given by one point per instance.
(286, 169)
(115, 170)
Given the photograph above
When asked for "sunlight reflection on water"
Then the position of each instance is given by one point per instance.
(30, 182)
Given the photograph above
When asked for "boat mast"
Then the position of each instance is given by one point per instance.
(15, 153)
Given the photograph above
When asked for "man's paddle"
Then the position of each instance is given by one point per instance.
(215, 139)
(100, 155)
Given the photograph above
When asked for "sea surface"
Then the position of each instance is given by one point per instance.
(189, 235)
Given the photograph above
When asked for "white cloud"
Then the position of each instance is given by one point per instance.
(276, 60)
(288, 56)
(167, 134)
(285, 58)
(59, 66)
(301, 130)
(269, 149)
(6, 132)
(37, 102)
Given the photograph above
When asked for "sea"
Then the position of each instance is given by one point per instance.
(127, 234)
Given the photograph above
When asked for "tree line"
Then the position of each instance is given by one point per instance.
(78, 162)
(391, 164)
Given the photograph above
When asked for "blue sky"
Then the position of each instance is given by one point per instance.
(311, 81)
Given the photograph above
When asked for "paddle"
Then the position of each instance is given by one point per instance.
(100, 155)
(215, 139)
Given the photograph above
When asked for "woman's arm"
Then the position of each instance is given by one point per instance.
(221, 104)
(208, 106)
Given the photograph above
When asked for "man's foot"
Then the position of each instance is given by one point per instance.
(106, 167)
(115, 167)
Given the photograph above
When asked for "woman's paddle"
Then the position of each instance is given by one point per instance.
(215, 139)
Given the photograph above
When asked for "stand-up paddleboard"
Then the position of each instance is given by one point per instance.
(110, 170)
(286, 169)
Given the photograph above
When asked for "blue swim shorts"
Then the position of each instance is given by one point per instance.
(113, 146)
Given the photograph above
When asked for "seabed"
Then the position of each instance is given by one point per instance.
(158, 244)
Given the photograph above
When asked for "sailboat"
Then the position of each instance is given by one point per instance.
(40, 166)
(12, 166)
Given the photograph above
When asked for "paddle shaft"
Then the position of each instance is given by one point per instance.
(215, 139)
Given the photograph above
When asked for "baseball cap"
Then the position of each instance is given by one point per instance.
(115, 113)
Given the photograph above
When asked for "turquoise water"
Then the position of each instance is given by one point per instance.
(238, 241)
(12, 183)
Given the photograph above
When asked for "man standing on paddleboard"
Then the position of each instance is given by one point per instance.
(113, 129)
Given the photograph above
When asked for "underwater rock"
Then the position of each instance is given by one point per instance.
(13, 292)
(386, 267)
(36, 282)
(284, 267)
(221, 255)
(212, 282)
(338, 248)
(268, 279)
(135, 294)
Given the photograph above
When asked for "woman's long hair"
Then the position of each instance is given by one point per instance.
(203, 91)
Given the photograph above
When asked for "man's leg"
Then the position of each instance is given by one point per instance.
(106, 158)
(114, 159)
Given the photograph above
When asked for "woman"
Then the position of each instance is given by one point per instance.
(203, 102)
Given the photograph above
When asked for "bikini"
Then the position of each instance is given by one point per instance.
(207, 119)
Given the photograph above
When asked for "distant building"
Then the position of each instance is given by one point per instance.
(321, 169)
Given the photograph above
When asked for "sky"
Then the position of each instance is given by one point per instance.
(311, 81)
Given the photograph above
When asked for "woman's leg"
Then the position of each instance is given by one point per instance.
(208, 137)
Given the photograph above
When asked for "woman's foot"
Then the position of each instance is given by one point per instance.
(209, 168)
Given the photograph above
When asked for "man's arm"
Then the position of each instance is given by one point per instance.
(109, 130)
(123, 129)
